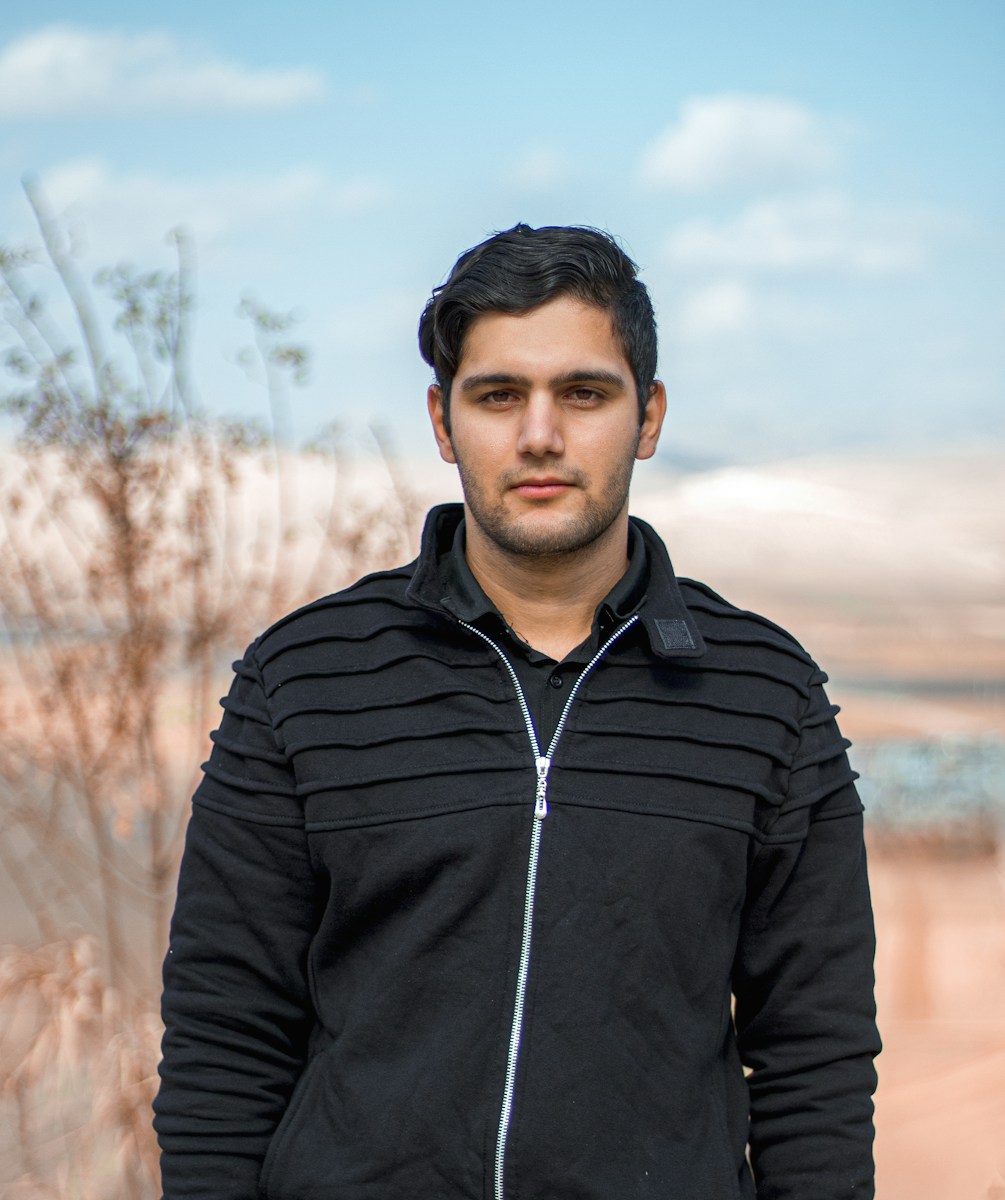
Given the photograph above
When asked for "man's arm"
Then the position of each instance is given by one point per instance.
(803, 980)
(236, 1005)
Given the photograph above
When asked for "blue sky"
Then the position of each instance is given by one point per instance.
(813, 191)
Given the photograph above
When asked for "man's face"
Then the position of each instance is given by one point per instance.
(545, 427)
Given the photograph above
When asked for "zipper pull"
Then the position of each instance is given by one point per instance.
(541, 799)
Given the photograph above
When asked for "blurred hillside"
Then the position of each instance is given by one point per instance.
(891, 571)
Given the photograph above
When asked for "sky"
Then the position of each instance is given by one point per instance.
(813, 192)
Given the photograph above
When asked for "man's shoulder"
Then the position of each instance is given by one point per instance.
(375, 601)
(726, 625)
(724, 630)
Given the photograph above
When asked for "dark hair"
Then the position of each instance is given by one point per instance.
(521, 268)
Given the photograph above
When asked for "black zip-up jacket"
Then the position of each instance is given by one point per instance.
(415, 956)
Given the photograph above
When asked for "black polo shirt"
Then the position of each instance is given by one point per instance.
(546, 683)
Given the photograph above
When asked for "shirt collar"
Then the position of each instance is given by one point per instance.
(654, 592)
(471, 604)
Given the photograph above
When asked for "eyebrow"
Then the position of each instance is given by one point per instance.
(583, 375)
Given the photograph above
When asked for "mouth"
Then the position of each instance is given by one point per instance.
(542, 488)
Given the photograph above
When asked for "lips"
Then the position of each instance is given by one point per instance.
(542, 489)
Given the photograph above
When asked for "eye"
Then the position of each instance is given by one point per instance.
(497, 399)
(585, 397)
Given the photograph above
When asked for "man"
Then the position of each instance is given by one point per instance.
(508, 864)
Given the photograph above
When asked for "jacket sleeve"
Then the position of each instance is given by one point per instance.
(803, 980)
(236, 1004)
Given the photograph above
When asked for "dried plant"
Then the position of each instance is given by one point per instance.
(136, 558)
(78, 1061)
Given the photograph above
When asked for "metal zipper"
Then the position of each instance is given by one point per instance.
(542, 765)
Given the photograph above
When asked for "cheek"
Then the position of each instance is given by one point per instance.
(481, 449)
(605, 450)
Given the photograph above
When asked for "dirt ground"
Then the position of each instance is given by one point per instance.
(940, 971)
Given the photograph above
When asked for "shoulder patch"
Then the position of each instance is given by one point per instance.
(674, 635)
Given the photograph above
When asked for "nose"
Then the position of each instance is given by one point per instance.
(540, 429)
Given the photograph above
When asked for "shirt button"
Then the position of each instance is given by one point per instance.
(555, 681)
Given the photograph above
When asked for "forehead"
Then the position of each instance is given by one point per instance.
(564, 331)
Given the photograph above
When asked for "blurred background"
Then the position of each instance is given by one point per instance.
(218, 228)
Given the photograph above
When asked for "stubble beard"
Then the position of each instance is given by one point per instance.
(565, 537)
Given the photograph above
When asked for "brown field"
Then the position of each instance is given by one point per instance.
(940, 972)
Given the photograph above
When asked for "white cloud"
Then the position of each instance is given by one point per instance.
(66, 70)
(138, 206)
(127, 214)
(539, 168)
(733, 308)
(816, 232)
(740, 141)
(722, 307)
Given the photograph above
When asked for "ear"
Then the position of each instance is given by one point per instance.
(652, 422)
(434, 402)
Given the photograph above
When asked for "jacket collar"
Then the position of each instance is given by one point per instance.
(670, 627)
(672, 630)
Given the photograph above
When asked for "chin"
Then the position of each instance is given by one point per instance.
(546, 536)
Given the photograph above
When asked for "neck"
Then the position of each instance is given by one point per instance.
(549, 601)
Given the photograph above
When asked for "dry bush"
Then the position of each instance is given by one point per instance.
(140, 548)
(73, 1047)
